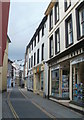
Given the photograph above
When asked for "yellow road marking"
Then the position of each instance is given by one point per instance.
(12, 109)
(48, 114)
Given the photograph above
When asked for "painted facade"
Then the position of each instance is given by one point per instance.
(66, 52)
(37, 57)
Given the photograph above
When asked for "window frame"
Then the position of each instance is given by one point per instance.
(78, 19)
(66, 31)
(42, 55)
(34, 58)
(38, 56)
(65, 5)
(57, 32)
(56, 5)
(51, 20)
(51, 39)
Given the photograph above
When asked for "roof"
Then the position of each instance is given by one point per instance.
(8, 39)
(50, 6)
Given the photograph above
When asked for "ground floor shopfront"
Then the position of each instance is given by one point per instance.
(66, 83)
(39, 80)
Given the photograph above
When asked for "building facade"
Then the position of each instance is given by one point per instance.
(4, 13)
(66, 52)
(37, 55)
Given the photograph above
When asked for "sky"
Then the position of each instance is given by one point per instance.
(24, 18)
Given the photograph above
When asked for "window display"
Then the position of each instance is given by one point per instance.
(55, 83)
(65, 84)
(78, 83)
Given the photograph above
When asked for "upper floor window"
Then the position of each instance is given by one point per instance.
(69, 31)
(31, 61)
(56, 12)
(38, 36)
(42, 31)
(51, 47)
(37, 56)
(32, 45)
(43, 51)
(35, 42)
(51, 19)
(34, 59)
(67, 4)
(57, 42)
(80, 20)
(30, 49)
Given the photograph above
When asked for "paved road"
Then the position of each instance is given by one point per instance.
(24, 107)
(29, 105)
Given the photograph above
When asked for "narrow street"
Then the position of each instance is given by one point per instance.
(25, 104)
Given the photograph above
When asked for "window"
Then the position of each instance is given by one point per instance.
(38, 36)
(69, 31)
(51, 19)
(32, 45)
(31, 61)
(80, 20)
(42, 31)
(67, 4)
(42, 81)
(35, 42)
(37, 56)
(51, 47)
(30, 49)
(43, 51)
(57, 42)
(56, 12)
(34, 58)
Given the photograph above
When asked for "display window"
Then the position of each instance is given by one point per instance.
(55, 83)
(42, 80)
(65, 84)
(78, 83)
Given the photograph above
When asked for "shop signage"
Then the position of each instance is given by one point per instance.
(78, 60)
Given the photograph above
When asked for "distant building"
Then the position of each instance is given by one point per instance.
(36, 57)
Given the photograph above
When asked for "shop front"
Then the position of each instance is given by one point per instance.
(59, 82)
(78, 81)
(30, 82)
(39, 80)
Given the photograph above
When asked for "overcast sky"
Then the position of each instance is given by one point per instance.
(24, 18)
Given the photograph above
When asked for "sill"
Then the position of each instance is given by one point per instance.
(69, 45)
(50, 29)
(51, 56)
(67, 8)
(59, 98)
(80, 37)
(56, 21)
(57, 52)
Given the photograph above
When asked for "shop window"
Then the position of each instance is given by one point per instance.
(69, 31)
(51, 47)
(55, 83)
(67, 4)
(42, 81)
(78, 83)
(65, 84)
(43, 51)
(56, 12)
(80, 20)
(51, 19)
(57, 42)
